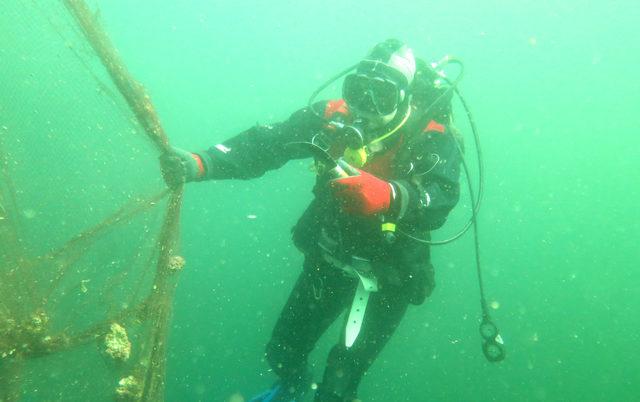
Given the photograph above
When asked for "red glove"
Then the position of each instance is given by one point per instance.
(363, 194)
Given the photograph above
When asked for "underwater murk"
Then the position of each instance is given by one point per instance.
(113, 286)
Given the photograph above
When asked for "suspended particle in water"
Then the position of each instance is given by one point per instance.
(495, 305)
(29, 213)
(237, 397)
(83, 285)
(117, 343)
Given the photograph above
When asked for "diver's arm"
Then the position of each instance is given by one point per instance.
(261, 148)
(425, 200)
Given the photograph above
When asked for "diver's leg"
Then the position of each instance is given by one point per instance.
(346, 366)
(320, 294)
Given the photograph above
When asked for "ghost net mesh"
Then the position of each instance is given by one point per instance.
(88, 231)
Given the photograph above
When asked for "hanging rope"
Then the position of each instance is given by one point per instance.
(133, 92)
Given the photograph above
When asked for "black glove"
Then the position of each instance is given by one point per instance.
(179, 166)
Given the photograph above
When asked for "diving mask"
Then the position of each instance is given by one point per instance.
(373, 94)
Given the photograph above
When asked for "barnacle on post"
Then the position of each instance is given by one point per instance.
(37, 322)
(176, 263)
(7, 332)
(129, 389)
(117, 343)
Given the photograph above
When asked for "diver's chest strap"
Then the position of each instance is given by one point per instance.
(367, 283)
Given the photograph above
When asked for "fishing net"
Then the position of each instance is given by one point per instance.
(88, 230)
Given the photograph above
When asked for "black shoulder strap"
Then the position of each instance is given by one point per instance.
(425, 90)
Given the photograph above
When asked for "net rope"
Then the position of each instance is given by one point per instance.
(84, 313)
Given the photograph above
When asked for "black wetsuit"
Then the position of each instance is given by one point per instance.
(422, 162)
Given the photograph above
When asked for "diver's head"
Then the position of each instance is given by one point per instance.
(379, 88)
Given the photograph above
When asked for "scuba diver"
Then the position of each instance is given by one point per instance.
(388, 169)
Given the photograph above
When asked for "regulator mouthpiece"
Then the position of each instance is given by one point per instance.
(355, 153)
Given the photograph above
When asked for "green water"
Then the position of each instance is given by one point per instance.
(554, 90)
